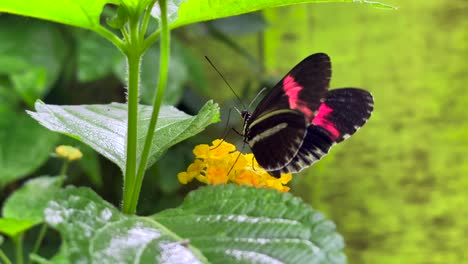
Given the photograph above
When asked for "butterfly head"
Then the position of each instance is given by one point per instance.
(245, 114)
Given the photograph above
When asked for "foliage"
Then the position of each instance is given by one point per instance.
(268, 223)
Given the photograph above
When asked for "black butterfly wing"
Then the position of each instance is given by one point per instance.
(276, 137)
(342, 113)
(276, 129)
(301, 89)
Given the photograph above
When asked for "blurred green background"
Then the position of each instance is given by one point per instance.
(396, 190)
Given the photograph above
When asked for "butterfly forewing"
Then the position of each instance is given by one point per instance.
(301, 89)
(276, 138)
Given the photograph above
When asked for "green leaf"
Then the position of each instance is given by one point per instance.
(232, 224)
(93, 231)
(35, 65)
(92, 48)
(80, 13)
(14, 227)
(172, 162)
(182, 12)
(24, 146)
(29, 201)
(104, 127)
(119, 19)
(241, 25)
(86, 13)
(196, 71)
(90, 164)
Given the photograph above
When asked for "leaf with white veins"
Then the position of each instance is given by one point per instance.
(104, 127)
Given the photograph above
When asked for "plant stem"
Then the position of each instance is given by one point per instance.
(4, 257)
(40, 237)
(111, 37)
(146, 18)
(133, 57)
(64, 168)
(163, 74)
(18, 241)
(151, 39)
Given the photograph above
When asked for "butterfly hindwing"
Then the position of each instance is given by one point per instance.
(342, 113)
(316, 144)
(351, 108)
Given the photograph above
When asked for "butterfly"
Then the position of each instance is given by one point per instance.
(299, 120)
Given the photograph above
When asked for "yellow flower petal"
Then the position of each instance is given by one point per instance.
(68, 152)
(183, 177)
(221, 163)
(201, 151)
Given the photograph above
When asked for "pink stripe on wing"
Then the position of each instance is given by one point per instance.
(321, 120)
(292, 89)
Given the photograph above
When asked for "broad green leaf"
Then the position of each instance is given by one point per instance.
(24, 146)
(94, 48)
(34, 66)
(178, 74)
(232, 224)
(86, 13)
(80, 13)
(93, 231)
(240, 25)
(14, 227)
(172, 162)
(104, 127)
(8, 100)
(29, 201)
(196, 71)
(90, 164)
(183, 12)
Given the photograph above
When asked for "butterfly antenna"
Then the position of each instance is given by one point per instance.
(224, 79)
(240, 113)
(255, 98)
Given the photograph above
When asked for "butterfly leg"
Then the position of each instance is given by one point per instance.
(237, 132)
(226, 130)
(253, 164)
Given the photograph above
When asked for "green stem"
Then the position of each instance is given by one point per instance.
(163, 74)
(151, 39)
(111, 37)
(4, 257)
(125, 35)
(18, 241)
(146, 18)
(64, 168)
(133, 57)
(40, 237)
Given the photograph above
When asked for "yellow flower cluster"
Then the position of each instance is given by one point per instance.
(68, 152)
(221, 163)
